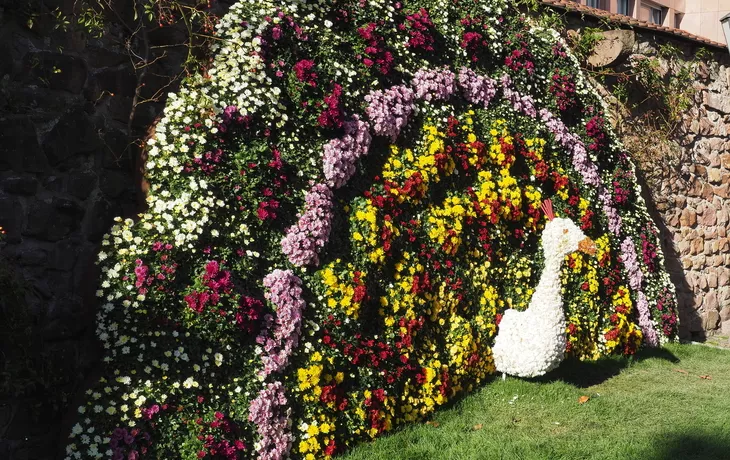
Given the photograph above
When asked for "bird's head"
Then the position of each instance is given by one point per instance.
(562, 237)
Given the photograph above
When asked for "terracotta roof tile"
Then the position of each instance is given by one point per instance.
(621, 19)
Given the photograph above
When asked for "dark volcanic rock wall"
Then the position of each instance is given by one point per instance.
(69, 164)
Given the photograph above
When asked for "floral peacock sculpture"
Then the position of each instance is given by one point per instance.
(532, 342)
(340, 210)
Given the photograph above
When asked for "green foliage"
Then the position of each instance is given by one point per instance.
(551, 19)
(61, 21)
(585, 42)
(91, 19)
(656, 91)
(703, 54)
(530, 5)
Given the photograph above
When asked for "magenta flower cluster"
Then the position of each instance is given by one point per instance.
(229, 116)
(621, 185)
(434, 85)
(376, 51)
(312, 231)
(249, 310)
(390, 110)
(520, 59)
(477, 89)
(304, 73)
(340, 155)
(142, 276)
(271, 415)
(128, 445)
(284, 291)
(218, 281)
(621, 194)
(232, 115)
(595, 130)
(665, 304)
(649, 249)
(563, 88)
(420, 30)
(331, 116)
(473, 42)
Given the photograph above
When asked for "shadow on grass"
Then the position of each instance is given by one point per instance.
(695, 446)
(583, 374)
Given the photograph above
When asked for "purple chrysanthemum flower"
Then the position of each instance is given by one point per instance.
(390, 110)
(271, 415)
(311, 232)
(284, 291)
(434, 85)
(477, 89)
(340, 155)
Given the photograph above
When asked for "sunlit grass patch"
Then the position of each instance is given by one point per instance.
(672, 403)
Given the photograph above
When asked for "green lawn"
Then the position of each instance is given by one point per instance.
(654, 407)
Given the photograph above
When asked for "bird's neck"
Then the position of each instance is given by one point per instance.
(553, 265)
(547, 294)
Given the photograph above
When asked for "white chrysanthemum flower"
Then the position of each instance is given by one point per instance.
(532, 342)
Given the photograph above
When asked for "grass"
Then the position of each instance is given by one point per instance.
(653, 407)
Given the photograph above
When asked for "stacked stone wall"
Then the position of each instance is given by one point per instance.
(695, 203)
(689, 186)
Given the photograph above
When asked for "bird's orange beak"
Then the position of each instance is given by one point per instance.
(588, 246)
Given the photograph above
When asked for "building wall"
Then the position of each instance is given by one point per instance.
(68, 166)
(703, 18)
(693, 197)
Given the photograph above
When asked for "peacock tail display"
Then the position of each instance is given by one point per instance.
(344, 212)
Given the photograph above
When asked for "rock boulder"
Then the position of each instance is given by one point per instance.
(615, 46)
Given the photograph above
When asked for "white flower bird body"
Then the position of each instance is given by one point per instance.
(532, 342)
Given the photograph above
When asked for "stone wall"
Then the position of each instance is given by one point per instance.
(69, 164)
(695, 203)
(690, 191)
